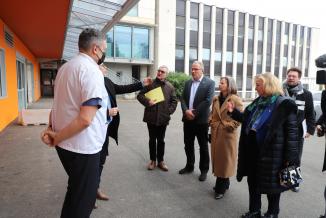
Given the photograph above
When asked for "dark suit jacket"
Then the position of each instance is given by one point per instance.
(113, 90)
(202, 100)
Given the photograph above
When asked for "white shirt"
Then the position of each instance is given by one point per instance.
(193, 90)
(77, 81)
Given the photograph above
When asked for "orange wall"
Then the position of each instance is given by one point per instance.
(9, 103)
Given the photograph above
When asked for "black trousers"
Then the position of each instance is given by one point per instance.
(221, 185)
(192, 130)
(103, 154)
(255, 198)
(82, 170)
(300, 149)
(156, 142)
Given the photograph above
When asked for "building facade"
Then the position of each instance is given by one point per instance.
(229, 42)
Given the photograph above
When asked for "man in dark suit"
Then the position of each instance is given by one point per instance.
(112, 130)
(195, 102)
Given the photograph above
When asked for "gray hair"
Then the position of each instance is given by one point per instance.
(88, 37)
(164, 66)
(200, 64)
(232, 86)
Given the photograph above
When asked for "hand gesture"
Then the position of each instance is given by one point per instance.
(230, 106)
(113, 111)
(147, 81)
(189, 115)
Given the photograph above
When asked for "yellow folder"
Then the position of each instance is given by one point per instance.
(155, 95)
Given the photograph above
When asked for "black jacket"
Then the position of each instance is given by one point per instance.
(305, 104)
(322, 120)
(202, 100)
(159, 113)
(113, 90)
(279, 146)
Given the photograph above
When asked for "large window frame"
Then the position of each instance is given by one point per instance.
(111, 50)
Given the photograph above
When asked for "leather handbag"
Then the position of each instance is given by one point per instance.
(290, 177)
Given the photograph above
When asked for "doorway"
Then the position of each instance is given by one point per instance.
(30, 82)
(135, 69)
(21, 84)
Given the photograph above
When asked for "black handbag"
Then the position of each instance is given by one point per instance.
(290, 177)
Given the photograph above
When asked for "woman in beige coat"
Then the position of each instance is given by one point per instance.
(224, 135)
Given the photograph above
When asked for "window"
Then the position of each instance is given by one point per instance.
(2, 74)
(128, 42)
(140, 43)
(122, 41)
(133, 12)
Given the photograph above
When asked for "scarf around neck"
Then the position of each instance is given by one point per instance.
(257, 108)
(292, 91)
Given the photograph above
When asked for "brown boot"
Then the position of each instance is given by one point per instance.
(151, 165)
(101, 196)
(163, 166)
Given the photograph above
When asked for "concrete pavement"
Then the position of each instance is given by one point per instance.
(33, 181)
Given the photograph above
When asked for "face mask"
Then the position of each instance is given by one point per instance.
(101, 60)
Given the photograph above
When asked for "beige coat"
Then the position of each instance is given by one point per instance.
(224, 137)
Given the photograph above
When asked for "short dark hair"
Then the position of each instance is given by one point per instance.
(295, 69)
(89, 36)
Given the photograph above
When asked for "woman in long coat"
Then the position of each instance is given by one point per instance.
(224, 135)
(268, 143)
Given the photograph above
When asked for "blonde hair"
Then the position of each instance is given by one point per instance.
(271, 84)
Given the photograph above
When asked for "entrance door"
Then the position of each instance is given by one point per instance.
(21, 85)
(47, 82)
(30, 82)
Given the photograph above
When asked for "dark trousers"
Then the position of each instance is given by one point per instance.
(156, 142)
(221, 185)
(103, 154)
(300, 149)
(192, 130)
(82, 170)
(255, 198)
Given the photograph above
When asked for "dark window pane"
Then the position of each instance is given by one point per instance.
(219, 15)
(206, 40)
(207, 12)
(194, 10)
(180, 37)
(229, 43)
(241, 19)
(219, 28)
(179, 65)
(179, 53)
(251, 21)
(207, 26)
(229, 69)
(230, 17)
(261, 23)
(193, 38)
(218, 42)
(230, 30)
(181, 8)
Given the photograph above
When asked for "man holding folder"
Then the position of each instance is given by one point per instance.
(160, 102)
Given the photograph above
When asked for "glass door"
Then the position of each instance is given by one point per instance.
(21, 85)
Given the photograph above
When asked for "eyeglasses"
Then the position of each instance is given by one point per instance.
(195, 69)
(161, 71)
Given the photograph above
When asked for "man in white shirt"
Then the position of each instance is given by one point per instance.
(78, 122)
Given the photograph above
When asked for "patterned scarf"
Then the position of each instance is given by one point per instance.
(257, 108)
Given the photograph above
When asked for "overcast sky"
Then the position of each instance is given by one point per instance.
(310, 13)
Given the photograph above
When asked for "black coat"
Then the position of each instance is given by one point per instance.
(202, 100)
(113, 90)
(279, 146)
(159, 113)
(322, 120)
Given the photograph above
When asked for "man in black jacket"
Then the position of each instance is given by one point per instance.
(306, 113)
(195, 103)
(112, 130)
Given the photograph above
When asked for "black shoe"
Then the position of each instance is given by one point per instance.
(269, 215)
(186, 170)
(255, 214)
(218, 196)
(202, 177)
(322, 216)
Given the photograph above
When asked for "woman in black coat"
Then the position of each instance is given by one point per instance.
(268, 143)
(321, 128)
